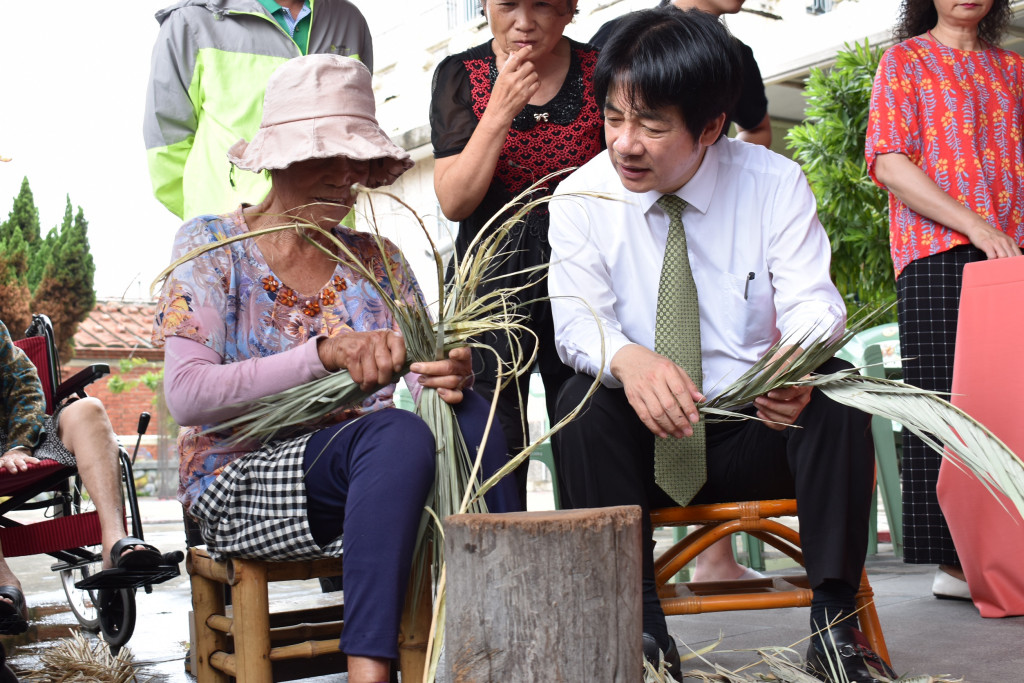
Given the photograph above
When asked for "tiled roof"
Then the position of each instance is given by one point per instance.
(118, 328)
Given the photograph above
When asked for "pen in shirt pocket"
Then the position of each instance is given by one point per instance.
(746, 285)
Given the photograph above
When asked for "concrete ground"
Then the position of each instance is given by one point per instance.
(924, 635)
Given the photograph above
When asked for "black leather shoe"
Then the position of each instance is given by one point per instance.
(848, 650)
(671, 655)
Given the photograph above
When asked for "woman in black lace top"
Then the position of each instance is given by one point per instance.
(503, 115)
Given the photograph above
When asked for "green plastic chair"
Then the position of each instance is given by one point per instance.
(876, 352)
(543, 454)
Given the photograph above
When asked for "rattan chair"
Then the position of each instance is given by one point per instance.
(759, 519)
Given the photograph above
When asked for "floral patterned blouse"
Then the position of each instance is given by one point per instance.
(957, 115)
(229, 300)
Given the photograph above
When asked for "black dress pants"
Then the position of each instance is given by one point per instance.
(606, 457)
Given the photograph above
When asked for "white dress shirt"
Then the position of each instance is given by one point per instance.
(759, 256)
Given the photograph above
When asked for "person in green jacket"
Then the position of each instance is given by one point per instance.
(211, 62)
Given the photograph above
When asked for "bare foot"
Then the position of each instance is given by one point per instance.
(721, 571)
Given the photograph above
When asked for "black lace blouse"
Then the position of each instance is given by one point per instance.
(566, 132)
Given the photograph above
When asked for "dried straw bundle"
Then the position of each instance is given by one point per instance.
(784, 665)
(77, 660)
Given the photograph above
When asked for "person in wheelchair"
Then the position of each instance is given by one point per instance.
(77, 434)
(261, 315)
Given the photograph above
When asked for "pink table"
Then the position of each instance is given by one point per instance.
(988, 384)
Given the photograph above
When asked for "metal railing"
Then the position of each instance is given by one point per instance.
(462, 12)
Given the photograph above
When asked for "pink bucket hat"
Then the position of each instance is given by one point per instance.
(317, 107)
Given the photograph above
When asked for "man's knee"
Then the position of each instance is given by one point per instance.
(833, 412)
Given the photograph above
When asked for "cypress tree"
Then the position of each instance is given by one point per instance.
(14, 292)
(24, 215)
(41, 254)
(65, 291)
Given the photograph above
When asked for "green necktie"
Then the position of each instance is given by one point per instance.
(680, 465)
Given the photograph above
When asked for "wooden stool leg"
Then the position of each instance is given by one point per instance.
(207, 600)
(251, 623)
(868, 617)
(415, 629)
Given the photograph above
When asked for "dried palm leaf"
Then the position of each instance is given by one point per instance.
(77, 660)
(948, 430)
(960, 438)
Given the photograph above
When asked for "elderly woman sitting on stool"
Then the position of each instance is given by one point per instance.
(269, 313)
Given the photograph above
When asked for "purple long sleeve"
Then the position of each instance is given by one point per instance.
(200, 389)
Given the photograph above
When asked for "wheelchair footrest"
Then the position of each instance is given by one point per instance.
(134, 578)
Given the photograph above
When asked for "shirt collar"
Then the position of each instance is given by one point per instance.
(699, 189)
(274, 8)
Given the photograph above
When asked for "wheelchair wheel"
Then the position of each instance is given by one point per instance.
(82, 602)
(116, 616)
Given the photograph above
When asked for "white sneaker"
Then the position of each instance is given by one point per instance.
(948, 586)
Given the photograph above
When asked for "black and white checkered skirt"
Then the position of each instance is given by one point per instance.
(929, 301)
(256, 507)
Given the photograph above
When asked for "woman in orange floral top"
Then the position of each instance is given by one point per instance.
(944, 137)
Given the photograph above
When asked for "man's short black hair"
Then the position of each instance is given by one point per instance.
(669, 58)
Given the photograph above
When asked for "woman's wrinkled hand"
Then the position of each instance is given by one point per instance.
(373, 359)
(994, 242)
(517, 82)
(450, 376)
(17, 460)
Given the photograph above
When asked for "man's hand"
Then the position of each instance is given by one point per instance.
(372, 358)
(661, 392)
(783, 406)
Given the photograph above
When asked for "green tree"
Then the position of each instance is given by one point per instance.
(14, 291)
(830, 146)
(43, 249)
(24, 216)
(65, 291)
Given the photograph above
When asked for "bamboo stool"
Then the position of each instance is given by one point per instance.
(755, 518)
(249, 643)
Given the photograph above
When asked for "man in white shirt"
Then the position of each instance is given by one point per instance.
(760, 262)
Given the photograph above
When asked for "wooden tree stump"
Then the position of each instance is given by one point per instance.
(544, 596)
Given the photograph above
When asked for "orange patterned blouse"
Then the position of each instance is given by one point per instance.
(957, 115)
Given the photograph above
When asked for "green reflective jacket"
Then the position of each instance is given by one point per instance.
(211, 63)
